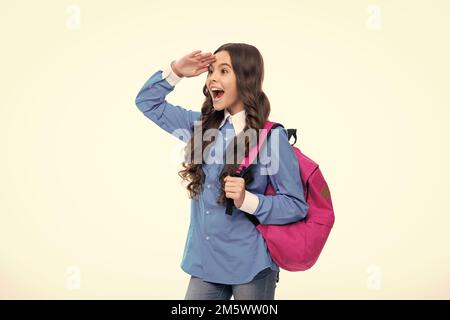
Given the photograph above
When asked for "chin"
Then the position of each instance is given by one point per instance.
(218, 108)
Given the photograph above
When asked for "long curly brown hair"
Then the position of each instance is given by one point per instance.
(248, 66)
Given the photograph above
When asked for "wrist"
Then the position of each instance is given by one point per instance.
(240, 201)
(249, 203)
(174, 69)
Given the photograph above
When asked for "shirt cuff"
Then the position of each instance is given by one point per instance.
(250, 202)
(170, 76)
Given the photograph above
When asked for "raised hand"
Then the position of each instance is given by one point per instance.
(193, 64)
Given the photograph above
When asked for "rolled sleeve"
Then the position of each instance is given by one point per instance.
(170, 75)
(250, 203)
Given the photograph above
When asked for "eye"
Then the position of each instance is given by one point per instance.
(223, 71)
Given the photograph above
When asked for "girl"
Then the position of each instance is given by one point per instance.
(225, 254)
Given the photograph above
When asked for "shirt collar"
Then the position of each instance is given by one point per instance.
(237, 120)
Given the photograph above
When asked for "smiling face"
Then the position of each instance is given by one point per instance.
(222, 85)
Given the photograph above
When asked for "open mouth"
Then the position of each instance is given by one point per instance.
(217, 94)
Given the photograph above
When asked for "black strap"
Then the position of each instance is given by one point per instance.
(230, 202)
(292, 133)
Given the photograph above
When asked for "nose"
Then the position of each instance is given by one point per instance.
(212, 79)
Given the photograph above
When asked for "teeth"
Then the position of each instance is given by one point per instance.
(216, 89)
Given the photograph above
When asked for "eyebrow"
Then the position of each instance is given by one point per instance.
(223, 63)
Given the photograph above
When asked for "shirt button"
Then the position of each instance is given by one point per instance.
(207, 237)
(226, 138)
(207, 212)
(208, 186)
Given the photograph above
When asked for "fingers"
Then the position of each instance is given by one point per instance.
(203, 56)
(234, 183)
(232, 179)
(209, 60)
(232, 188)
(231, 195)
(194, 53)
(205, 65)
(198, 53)
(200, 71)
(204, 59)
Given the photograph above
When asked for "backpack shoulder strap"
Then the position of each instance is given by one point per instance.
(247, 162)
(253, 153)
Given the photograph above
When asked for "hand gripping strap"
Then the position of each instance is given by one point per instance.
(247, 162)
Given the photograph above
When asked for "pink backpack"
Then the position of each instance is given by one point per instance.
(297, 246)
